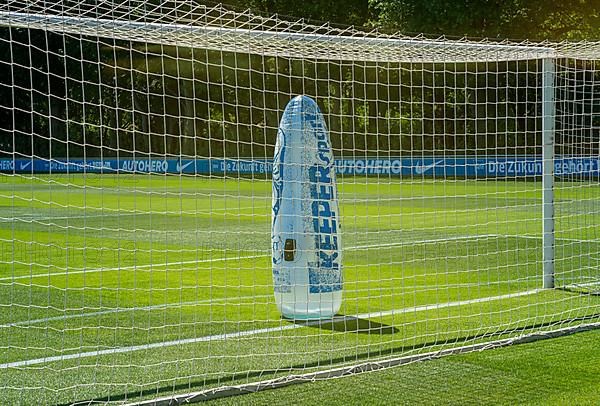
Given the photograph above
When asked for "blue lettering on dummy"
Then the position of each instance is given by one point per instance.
(325, 275)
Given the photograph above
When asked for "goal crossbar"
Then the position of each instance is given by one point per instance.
(377, 48)
(144, 148)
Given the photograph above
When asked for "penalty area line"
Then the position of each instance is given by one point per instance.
(232, 299)
(32, 218)
(165, 306)
(155, 267)
(163, 266)
(241, 334)
(228, 391)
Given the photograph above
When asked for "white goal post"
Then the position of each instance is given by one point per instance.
(138, 181)
(548, 112)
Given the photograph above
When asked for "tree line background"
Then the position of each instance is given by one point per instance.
(75, 96)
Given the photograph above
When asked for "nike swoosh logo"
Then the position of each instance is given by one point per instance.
(421, 169)
(181, 168)
(25, 165)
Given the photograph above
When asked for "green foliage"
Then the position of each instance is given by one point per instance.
(125, 97)
(148, 99)
(516, 19)
(351, 12)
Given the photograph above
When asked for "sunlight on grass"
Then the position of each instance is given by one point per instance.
(94, 263)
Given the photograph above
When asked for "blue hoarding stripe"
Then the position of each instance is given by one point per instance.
(472, 167)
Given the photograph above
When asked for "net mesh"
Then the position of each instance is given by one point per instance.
(136, 149)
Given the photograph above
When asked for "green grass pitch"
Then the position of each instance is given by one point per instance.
(123, 287)
(560, 371)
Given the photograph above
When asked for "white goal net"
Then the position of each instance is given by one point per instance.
(138, 189)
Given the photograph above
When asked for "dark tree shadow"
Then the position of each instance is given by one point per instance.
(349, 324)
(580, 290)
(354, 357)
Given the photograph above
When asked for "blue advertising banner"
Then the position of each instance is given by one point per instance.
(430, 166)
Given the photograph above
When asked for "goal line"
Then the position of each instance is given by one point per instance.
(245, 389)
(282, 327)
(165, 266)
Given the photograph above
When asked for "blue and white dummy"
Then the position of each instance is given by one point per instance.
(305, 229)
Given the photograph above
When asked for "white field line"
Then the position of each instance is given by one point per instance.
(237, 300)
(243, 389)
(583, 285)
(240, 334)
(437, 306)
(80, 315)
(32, 218)
(536, 237)
(127, 309)
(157, 267)
(161, 266)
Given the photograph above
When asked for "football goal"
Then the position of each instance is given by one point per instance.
(196, 202)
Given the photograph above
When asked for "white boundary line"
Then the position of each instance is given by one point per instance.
(240, 334)
(157, 267)
(165, 306)
(114, 213)
(226, 391)
(176, 305)
(583, 285)
(160, 266)
(445, 305)
(34, 219)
